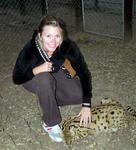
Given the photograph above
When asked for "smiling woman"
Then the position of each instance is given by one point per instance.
(42, 68)
(51, 37)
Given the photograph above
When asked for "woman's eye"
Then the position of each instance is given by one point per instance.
(58, 36)
(48, 35)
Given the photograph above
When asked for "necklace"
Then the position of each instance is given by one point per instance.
(40, 49)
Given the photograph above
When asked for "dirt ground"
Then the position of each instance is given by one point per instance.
(112, 64)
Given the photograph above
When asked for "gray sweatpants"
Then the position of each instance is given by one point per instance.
(54, 90)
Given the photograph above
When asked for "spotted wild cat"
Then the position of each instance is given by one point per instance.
(108, 116)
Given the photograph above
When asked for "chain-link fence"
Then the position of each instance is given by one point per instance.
(104, 17)
(17, 17)
(20, 16)
(96, 16)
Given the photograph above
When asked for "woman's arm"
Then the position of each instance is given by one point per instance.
(78, 63)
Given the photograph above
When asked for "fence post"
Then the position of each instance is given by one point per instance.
(128, 12)
(78, 14)
(96, 4)
(44, 4)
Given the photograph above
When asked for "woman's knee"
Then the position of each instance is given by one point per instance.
(44, 78)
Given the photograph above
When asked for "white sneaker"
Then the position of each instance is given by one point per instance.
(55, 132)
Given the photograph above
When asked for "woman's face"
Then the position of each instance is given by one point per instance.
(51, 37)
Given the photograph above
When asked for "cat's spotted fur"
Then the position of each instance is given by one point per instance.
(108, 116)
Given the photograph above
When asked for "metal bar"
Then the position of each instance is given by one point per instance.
(83, 14)
(123, 34)
(44, 5)
(47, 8)
(78, 14)
(103, 34)
(134, 7)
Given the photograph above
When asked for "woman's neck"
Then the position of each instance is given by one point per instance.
(49, 53)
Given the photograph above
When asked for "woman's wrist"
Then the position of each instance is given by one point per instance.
(86, 105)
(35, 71)
(38, 69)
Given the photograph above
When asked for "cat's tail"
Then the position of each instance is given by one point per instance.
(131, 112)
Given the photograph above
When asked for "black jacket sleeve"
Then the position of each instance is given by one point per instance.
(78, 63)
(22, 71)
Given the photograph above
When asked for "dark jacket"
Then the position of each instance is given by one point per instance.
(29, 58)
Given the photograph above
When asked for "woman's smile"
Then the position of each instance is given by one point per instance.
(51, 38)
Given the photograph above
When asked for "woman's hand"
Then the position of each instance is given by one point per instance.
(45, 67)
(85, 116)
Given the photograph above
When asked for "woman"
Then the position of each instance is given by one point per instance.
(41, 68)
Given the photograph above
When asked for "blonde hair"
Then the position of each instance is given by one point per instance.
(53, 21)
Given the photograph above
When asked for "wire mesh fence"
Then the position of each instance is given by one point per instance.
(96, 16)
(18, 16)
(104, 17)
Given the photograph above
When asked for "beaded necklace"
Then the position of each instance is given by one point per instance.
(40, 49)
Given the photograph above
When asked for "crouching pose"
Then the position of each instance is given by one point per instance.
(52, 66)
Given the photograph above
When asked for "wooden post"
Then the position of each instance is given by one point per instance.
(128, 6)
